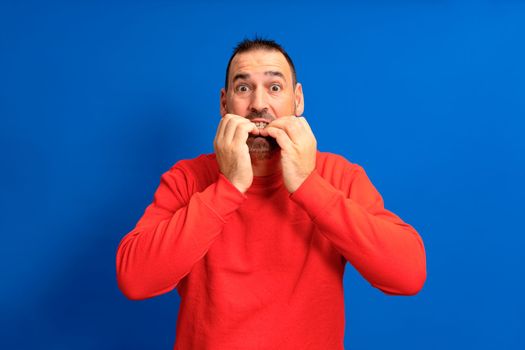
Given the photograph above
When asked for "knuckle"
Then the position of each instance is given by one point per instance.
(241, 123)
(247, 125)
(235, 121)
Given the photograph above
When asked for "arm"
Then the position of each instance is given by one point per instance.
(176, 231)
(386, 251)
(179, 227)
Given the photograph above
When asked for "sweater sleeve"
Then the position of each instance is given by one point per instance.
(175, 231)
(386, 251)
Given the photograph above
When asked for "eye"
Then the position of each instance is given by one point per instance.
(275, 88)
(242, 88)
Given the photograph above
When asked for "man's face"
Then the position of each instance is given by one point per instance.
(260, 88)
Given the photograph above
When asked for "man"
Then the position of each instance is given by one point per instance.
(256, 236)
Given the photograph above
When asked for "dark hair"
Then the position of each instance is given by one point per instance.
(261, 44)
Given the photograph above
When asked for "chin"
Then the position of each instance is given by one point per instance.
(262, 155)
(262, 148)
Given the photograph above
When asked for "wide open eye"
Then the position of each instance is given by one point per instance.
(275, 88)
(242, 88)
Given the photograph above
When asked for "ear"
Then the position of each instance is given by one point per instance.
(299, 100)
(223, 102)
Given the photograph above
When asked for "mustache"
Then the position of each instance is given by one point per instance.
(260, 115)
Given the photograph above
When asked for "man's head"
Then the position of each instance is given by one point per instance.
(261, 85)
(259, 44)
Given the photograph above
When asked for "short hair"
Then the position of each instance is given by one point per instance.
(258, 43)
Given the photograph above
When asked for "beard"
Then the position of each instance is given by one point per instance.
(262, 147)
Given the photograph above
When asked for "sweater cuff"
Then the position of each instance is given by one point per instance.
(314, 195)
(222, 197)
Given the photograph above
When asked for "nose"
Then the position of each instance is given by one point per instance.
(259, 102)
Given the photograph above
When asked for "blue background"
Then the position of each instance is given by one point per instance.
(99, 98)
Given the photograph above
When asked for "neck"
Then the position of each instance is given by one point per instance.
(265, 167)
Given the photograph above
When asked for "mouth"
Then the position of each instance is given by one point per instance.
(260, 124)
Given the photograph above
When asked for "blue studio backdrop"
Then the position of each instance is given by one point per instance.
(99, 98)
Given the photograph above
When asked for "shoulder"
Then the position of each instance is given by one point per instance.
(197, 165)
(198, 173)
(337, 170)
(334, 165)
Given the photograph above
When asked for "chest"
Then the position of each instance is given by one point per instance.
(269, 231)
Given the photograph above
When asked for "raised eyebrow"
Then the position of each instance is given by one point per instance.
(246, 76)
(243, 76)
(275, 73)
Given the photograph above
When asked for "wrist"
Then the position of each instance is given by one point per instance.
(242, 188)
(297, 183)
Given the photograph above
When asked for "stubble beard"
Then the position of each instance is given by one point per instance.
(262, 147)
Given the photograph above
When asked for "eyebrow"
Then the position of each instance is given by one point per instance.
(245, 76)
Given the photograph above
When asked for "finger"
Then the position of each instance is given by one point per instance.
(281, 121)
(242, 132)
(231, 124)
(220, 130)
(222, 126)
(304, 122)
(292, 126)
(280, 136)
(308, 134)
(239, 122)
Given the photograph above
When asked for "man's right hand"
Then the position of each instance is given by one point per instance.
(232, 151)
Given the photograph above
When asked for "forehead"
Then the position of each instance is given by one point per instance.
(259, 61)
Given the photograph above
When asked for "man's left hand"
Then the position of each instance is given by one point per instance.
(298, 148)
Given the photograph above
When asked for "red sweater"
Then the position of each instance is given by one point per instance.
(264, 270)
